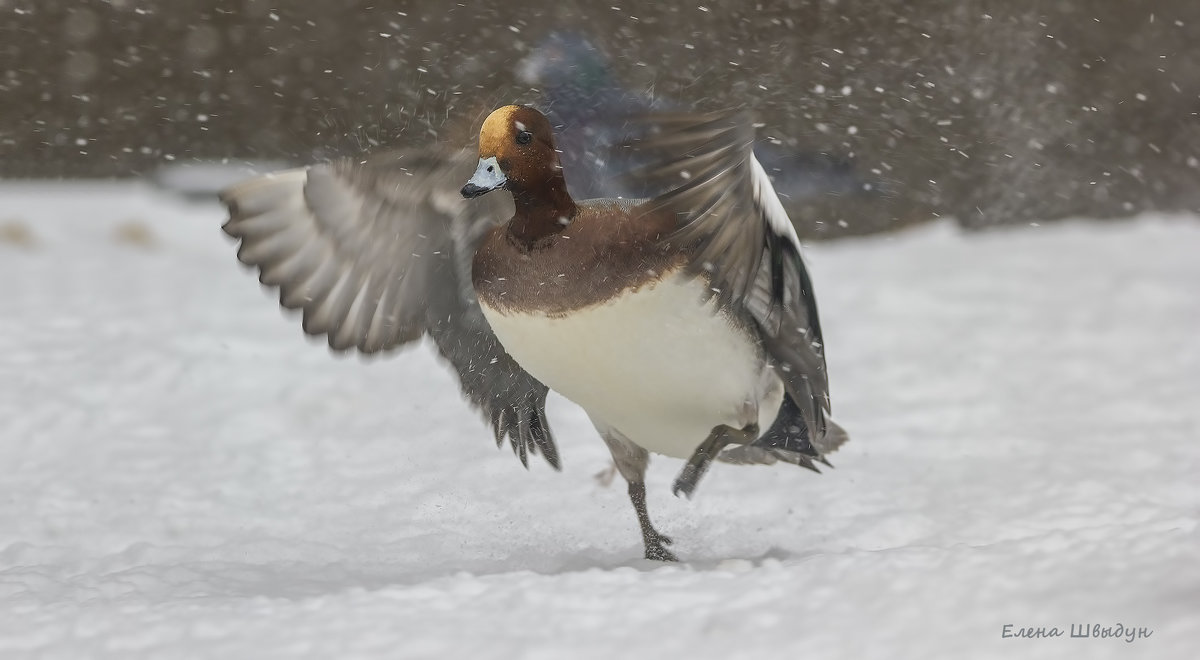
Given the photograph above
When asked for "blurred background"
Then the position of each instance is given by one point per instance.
(892, 112)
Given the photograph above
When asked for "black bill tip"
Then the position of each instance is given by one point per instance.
(471, 190)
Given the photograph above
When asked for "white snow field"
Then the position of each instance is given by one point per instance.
(184, 475)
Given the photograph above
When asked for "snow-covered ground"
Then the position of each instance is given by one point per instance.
(183, 474)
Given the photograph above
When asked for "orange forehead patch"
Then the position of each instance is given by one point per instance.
(502, 125)
(496, 130)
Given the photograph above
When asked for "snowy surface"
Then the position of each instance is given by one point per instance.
(183, 474)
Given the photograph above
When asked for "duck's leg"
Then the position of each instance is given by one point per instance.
(697, 465)
(631, 461)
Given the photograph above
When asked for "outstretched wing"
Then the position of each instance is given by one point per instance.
(375, 254)
(744, 243)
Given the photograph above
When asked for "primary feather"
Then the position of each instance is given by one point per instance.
(377, 253)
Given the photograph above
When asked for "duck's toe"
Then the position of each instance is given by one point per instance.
(685, 483)
(655, 550)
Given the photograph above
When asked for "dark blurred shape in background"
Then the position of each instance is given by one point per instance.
(890, 111)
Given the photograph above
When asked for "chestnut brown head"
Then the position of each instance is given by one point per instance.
(516, 152)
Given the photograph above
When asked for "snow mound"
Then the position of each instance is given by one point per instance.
(184, 475)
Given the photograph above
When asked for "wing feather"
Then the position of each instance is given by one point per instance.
(376, 254)
(740, 238)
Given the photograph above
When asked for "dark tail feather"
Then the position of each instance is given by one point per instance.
(789, 432)
(787, 440)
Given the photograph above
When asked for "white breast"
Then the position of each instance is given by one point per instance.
(656, 364)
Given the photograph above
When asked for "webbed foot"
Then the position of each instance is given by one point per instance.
(655, 549)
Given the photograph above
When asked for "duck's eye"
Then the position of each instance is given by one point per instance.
(524, 137)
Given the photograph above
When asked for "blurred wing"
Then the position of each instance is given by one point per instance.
(744, 243)
(376, 253)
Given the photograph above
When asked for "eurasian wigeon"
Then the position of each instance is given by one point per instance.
(684, 324)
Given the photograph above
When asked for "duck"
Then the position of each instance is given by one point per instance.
(684, 324)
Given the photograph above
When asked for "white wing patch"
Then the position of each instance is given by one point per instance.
(769, 205)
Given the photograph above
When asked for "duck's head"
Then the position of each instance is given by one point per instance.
(516, 152)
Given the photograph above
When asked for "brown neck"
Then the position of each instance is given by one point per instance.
(541, 212)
